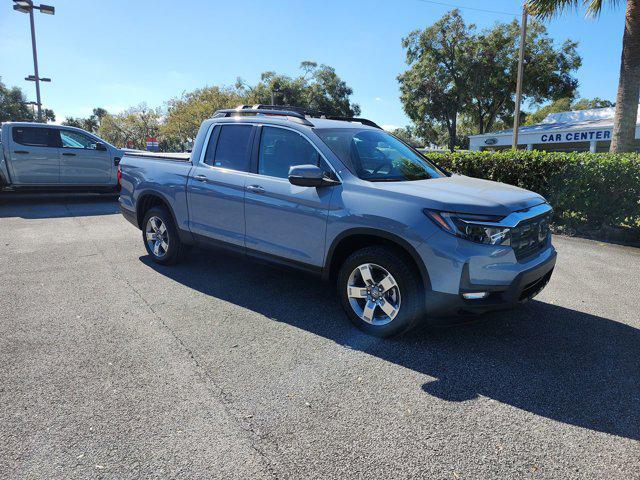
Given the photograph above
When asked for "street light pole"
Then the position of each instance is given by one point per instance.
(35, 62)
(27, 6)
(523, 38)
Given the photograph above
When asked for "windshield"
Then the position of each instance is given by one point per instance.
(377, 156)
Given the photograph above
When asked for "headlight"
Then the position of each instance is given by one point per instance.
(475, 228)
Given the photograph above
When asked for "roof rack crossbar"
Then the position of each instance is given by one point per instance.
(298, 114)
(291, 108)
(363, 121)
(259, 110)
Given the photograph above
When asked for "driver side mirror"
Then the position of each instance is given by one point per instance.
(309, 176)
(101, 147)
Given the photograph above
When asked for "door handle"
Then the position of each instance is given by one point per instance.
(67, 154)
(20, 151)
(255, 188)
(200, 178)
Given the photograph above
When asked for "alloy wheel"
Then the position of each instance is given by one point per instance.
(157, 236)
(374, 295)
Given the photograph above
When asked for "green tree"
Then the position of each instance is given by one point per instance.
(13, 107)
(318, 89)
(624, 124)
(186, 112)
(433, 90)
(90, 124)
(494, 65)
(589, 103)
(408, 135)
(131, 127)
(455, 71)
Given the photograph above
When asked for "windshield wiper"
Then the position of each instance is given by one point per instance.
(395, 179)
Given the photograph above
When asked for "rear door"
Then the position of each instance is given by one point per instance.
(81, 163)
(34, 155)
(283, 219)
(216, 184)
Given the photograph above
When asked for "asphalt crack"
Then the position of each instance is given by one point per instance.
(239, 418)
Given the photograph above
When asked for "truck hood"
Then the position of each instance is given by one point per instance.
(466, 195)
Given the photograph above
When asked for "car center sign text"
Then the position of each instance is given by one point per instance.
(576, 136)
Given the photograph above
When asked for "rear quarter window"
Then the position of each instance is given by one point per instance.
(233, 148)
(36, 137)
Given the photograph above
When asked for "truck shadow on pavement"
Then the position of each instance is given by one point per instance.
(48, 205)
(562, 364)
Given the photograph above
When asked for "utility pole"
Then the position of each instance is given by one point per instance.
(27, 6)
(35, 63)
(523, 38)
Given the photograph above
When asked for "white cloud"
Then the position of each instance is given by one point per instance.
(390, 128)
(378, 99)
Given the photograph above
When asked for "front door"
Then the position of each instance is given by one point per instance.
(282, 219)
(81, 163)
(35, 156)
(216, 185)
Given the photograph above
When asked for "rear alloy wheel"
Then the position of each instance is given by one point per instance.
(379, 291)
(157, 237)
(161, 237)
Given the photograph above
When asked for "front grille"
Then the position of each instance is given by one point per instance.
(530, 236)
(535, 287)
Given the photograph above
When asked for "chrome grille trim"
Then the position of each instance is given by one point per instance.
(515, 218)
(530, 236)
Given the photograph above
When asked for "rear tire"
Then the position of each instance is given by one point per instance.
(160, 237)
(379, 291)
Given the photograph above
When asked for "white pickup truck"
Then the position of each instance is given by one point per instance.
(35, 155)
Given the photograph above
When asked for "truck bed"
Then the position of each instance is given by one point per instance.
(171, 156)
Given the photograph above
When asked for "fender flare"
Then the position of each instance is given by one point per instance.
(374, 232)
(185, 236)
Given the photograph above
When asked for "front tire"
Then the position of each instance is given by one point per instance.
(160, 237)
(379, 291)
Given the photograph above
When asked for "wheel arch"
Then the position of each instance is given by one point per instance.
(152, 198)
(354, 239)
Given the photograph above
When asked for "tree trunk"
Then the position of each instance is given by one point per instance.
(624, 125)
(453, 133)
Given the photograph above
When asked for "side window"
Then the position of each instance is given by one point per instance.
(211, 146)
(327, 169)
(233, 148)
(71, 139)
(281, 149)
(36, 136)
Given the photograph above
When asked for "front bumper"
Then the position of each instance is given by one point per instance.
(526, 285)
(456, 266)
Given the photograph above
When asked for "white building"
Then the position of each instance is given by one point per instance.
(580, 131)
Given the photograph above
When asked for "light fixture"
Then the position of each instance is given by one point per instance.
(475, 295)
(47, 9)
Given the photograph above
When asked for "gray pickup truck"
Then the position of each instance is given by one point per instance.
(402, 239)
(35, 155)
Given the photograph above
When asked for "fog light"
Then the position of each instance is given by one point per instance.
(475, 295)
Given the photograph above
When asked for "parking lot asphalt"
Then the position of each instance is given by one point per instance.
(114, 367)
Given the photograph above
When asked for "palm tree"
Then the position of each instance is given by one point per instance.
(624, 125)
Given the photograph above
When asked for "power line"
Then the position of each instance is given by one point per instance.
(496, 12)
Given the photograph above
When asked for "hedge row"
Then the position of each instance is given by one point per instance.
(595, 193)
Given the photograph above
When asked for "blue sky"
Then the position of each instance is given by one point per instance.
(117, 53)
